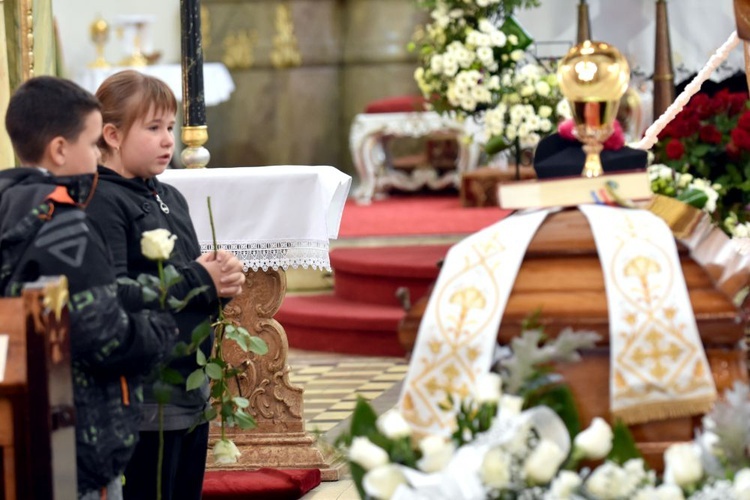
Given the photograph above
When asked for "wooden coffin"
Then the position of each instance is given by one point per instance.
(561, 275)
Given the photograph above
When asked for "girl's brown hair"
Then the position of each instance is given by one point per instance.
(127, 96)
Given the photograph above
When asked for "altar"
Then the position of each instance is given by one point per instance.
(273, 218)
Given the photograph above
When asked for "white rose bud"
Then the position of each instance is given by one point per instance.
(382, 482)
(596, 441)
(495, 468)
(682, 465)
(543, 462)
(436, 453)
(392, 425)
(741, 485)
(488, 388)
(367, 454)
(157, 244)
(225, 452)
(564, 485)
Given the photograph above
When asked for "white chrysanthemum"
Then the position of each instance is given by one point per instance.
(498, 38)
(542, 88)
(544, 111)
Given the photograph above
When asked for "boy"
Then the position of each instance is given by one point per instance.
(54, 125)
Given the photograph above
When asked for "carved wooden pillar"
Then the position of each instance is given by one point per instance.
(280, 439)
(584, 22)
(664, 92)
(6, 151)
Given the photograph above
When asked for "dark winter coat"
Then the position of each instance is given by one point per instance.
(124, 209)
(44, 231)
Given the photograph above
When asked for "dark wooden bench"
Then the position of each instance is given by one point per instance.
(37, 416)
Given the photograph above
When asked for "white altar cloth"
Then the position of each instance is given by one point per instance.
(270, 217)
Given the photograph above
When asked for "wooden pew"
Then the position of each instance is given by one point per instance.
(37, 416)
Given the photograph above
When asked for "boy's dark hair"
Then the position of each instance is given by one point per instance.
(43, 108)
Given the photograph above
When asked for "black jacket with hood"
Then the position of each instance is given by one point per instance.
(126, 208)
(44, 231)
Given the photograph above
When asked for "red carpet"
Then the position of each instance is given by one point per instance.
(415, 215)
(261, 484)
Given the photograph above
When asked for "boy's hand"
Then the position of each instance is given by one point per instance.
(226, 272)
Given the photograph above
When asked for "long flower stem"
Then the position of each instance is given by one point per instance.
(213, 228)
(162, 281)
(160, 458)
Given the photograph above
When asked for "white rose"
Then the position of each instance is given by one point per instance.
(607, 482)
(495, 469)
(543, 462)
(682, 464)
(563, 486)
(225, 452)
(510, 405)
(392, 425)
(596, 441)
(436, 453)
(488, 388)
(157, 244)
(741, 485)
(663, 492)
(367, 454)
(382, 482)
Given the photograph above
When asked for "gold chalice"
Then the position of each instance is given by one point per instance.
(593, 77)
(99, 31)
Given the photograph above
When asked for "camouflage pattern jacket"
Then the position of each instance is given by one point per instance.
(44, 231)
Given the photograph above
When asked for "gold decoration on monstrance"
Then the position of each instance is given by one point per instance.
(286, 49)
(593, 77)
(99, 31)
(239, 50)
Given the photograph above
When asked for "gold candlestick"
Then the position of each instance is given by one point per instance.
(137, 58)
(99, 31)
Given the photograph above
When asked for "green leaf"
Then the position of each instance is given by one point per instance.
(200, 358)
(171, 376)
(171, 276)
(363, 418)
(180, 349)
(240, 339)
(201, 332)
(244, 421)
(358, 473)
(241, 402)
(230, 328)
(511, 27)
(195, 380)
(227, 410)
(496, 144)
(210, 414)
(694, 197)
(217, 390)
(213, 371)
(623, 444)
(149, 294)
(175, 304)
(149, 281)
(258, 346)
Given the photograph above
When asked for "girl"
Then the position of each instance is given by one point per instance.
(137, 144)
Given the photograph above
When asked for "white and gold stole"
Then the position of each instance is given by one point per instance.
(458, 333)
(658, 368)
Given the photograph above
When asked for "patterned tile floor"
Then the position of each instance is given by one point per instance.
(332, 383)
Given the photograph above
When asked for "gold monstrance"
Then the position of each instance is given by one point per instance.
(99, 31)
(593, 77)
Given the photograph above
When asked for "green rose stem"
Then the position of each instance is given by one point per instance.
(160, 407)
(220, 322)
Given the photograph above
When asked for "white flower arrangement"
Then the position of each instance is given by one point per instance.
(530, 108)
(697, 192)
(463, 51)
(530, 454)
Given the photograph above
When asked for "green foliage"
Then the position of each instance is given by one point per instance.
(560, 399)
(623, 444)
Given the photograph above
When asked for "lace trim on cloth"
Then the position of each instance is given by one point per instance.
(277, 253)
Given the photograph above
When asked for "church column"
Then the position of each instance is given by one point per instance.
(194, 128)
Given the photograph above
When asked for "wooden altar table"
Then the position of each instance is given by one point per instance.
(272, 218)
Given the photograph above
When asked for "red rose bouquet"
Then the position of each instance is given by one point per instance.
(710, 139)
